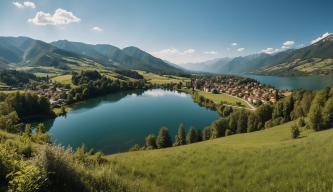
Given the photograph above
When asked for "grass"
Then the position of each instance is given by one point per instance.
(267, 160)
(3, 85)
(162, 79)
(222, 97)
(12, 91)
(63, 79)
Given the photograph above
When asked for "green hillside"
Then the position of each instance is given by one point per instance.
(266, 160)
(128, 58)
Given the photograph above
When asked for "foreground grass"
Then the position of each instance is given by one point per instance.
(221, 97)
(267, 160)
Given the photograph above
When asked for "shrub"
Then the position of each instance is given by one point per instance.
(295, 132)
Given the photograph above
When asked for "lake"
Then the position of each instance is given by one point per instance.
(116, 122)
(314, 82)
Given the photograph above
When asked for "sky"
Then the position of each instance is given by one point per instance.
(180, 31)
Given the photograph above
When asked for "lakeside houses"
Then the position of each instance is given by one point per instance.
(251, 91)
(57, 96)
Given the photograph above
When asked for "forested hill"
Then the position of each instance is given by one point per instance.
(129, 58)
(316, 58)
(65, 55)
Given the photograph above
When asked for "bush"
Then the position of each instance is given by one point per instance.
(295, 132)
(65, 174)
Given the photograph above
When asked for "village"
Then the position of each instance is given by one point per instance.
(57, 95)
(250, 91)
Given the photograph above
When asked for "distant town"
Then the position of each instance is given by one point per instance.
(247, 89)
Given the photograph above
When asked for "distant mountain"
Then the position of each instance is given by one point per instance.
(129, 58)
(24, 51)
(211, 66)
(316, 58)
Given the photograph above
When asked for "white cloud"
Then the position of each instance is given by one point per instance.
(165, 52)
(234, 44)
(240, 49)
(96, 28)
(210, 52)
(60, 17)
(288, 44)
(321, 37)
(26, 4)
(188, 51)
(269, 50)
(184, 56)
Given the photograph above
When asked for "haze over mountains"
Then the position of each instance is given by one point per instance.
(316, 58)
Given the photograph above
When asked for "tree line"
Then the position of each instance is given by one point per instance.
(16, 78)
(91, 84)
(21, 105)
(163, 139)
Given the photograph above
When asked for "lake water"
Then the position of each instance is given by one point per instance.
(304, 82)
(116, 122)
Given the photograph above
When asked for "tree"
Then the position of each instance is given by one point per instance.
(295, 132)
(28, 130)
(40, 129)
(252, 122)
(242, 122)
(327, 113)
(288, 106)
(315, 118)
(233, 118)
(191, 136)
(198, 133)
(163, 139)
(151, 142)
(180, 138)
(217, 129)
(301, 122)
(206, 133)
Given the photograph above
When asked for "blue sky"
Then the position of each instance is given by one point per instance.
(177, 30)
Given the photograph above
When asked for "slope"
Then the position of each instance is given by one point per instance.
(27, 52)
(266, 160)
(128, 58)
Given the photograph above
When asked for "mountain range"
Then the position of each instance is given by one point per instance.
(316, 58)
(24, 51)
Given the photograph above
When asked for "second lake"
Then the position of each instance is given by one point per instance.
(116, 122)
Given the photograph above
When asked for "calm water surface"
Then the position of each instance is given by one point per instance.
(116, 122)
(305, 82)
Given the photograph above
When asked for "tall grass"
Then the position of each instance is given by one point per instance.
(262, 161)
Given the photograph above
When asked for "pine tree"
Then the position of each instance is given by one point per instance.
(206, 133)
(315, 119)
(191, 136)
(327, 114)
(163, 139)
(180, 138)
(151, 142)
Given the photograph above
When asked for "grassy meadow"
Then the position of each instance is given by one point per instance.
(266, 160)
(218, 98)
(162, 79)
